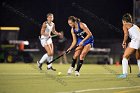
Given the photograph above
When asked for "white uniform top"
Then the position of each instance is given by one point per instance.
(134, 32)
(48, 29)
(45, 40)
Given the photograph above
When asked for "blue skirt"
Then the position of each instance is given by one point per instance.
(88, 41)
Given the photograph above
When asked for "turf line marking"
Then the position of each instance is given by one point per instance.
(21, 73)
(126, 91)
(54, 73)
(99, 89)
(103, 73)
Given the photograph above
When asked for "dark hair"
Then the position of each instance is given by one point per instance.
(49, 14)
(127, 17)
(74, 19)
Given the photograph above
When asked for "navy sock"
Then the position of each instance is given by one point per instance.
(73, 62)
(79, 65)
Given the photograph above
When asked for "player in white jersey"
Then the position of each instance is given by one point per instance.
(46, 41)
(133, 31)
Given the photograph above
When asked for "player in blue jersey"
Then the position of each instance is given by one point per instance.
(83, 38)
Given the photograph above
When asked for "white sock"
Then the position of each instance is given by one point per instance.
(125, 65)
(50, 58)
(44, 57)
(138, 62)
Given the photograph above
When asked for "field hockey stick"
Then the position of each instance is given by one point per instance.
(48, 37)
(129, 66)
(66, 52)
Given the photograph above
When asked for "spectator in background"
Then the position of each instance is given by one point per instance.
(61, 48)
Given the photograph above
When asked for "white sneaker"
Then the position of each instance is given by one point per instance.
(70, 70)
(77, 73)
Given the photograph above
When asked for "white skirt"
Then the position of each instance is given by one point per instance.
(45, 41)
(134, 44)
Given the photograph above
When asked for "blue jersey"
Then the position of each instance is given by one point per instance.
(80, 34)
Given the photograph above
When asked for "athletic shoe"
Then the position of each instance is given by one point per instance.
(77, 73)
(122, 76)
(138, 75)
(51, 68)
(39, 65)
(70, 70)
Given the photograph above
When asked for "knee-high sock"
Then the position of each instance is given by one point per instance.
(44, 58)
(125, 65)
(79, 65)
(138, 62)
(73, 62)
(50, 58)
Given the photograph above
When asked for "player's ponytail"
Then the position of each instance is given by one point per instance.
(74, 19)
(127, 17)
(78, 20)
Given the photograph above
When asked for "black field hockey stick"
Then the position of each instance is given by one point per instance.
(66, 52)
(129, 66)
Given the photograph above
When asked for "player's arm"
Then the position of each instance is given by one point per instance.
(43, 29)
(85, 29)
(73, 41)
(54, 31)
(125, 36)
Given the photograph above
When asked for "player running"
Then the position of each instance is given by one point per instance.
(133, 31)
(46, 41)
(83, 38)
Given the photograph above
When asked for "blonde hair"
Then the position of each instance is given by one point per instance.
(127, 17)
(49, 14)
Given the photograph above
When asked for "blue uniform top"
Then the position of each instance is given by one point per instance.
(80, 34)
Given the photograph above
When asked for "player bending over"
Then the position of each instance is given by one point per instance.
(133, 31)
(83, 38)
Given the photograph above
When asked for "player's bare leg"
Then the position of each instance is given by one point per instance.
(82, 56)
(74, 59)
(50, 52)
(126, 56)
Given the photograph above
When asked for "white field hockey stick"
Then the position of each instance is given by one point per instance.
(48, 37)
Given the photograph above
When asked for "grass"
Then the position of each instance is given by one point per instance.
(26, 78)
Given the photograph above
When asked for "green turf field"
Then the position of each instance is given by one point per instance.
(25, 78)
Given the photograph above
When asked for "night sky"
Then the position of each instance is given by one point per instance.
(32, 13)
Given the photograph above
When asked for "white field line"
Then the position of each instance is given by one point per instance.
(56, 73)
(100, 89)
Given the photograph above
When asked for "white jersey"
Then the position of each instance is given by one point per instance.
(48, 29)
(134, 32)
(45, 40)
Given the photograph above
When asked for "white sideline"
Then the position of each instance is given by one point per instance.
(56, 72)
(98, 89)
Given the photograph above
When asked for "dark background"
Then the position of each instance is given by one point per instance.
(110, 10)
